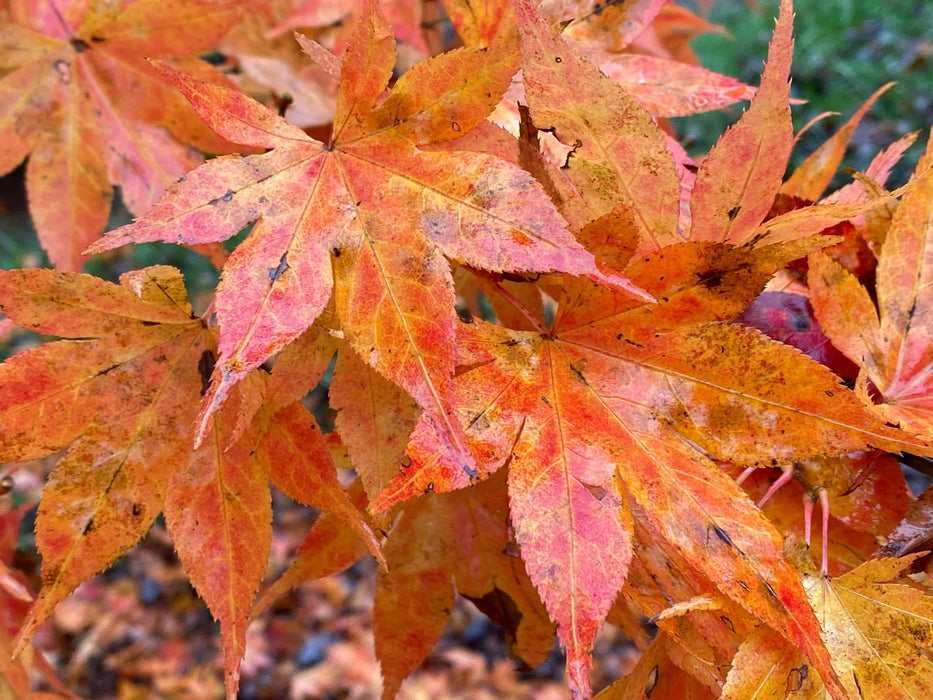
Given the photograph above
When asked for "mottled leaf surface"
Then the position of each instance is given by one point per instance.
(890, 341)
(137, 347)
(368, 217)
(80, 101)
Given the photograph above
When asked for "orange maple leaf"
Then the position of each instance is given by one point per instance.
(623, 398)
(890, 342)
(459, 539)
(368, 214)
(80, 100)
(136, 347)
(123, 396)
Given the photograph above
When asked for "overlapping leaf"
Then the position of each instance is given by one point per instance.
(789, 318)
(667, 88)
(459, 538)
(79, 99)
(878, 629)
(706, 625)
(595, 424)
(658, 676)
(368, 205)
(766, 666)
(891, 343)
(218, 511)
(122, 396)
(619, 156)
(646, 393)
(118, 396)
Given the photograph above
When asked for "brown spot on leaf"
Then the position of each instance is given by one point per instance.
(724, 536)
(577, 369)
(206, 369)
(227, 196)
(279, 270)
(796, 678)
(769, 589)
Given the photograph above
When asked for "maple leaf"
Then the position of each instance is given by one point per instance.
(617, 392)
(367, 213)
(136, 347)
(374, 419)
(218, 512)
(79, 99)
(218, 509)
(890, 342)
(705, 624)
(877, 629)
(123, 396)
(738, 181)
(619, 155)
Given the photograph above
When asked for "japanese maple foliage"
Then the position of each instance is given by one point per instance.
(79, 99)
(546, 370)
